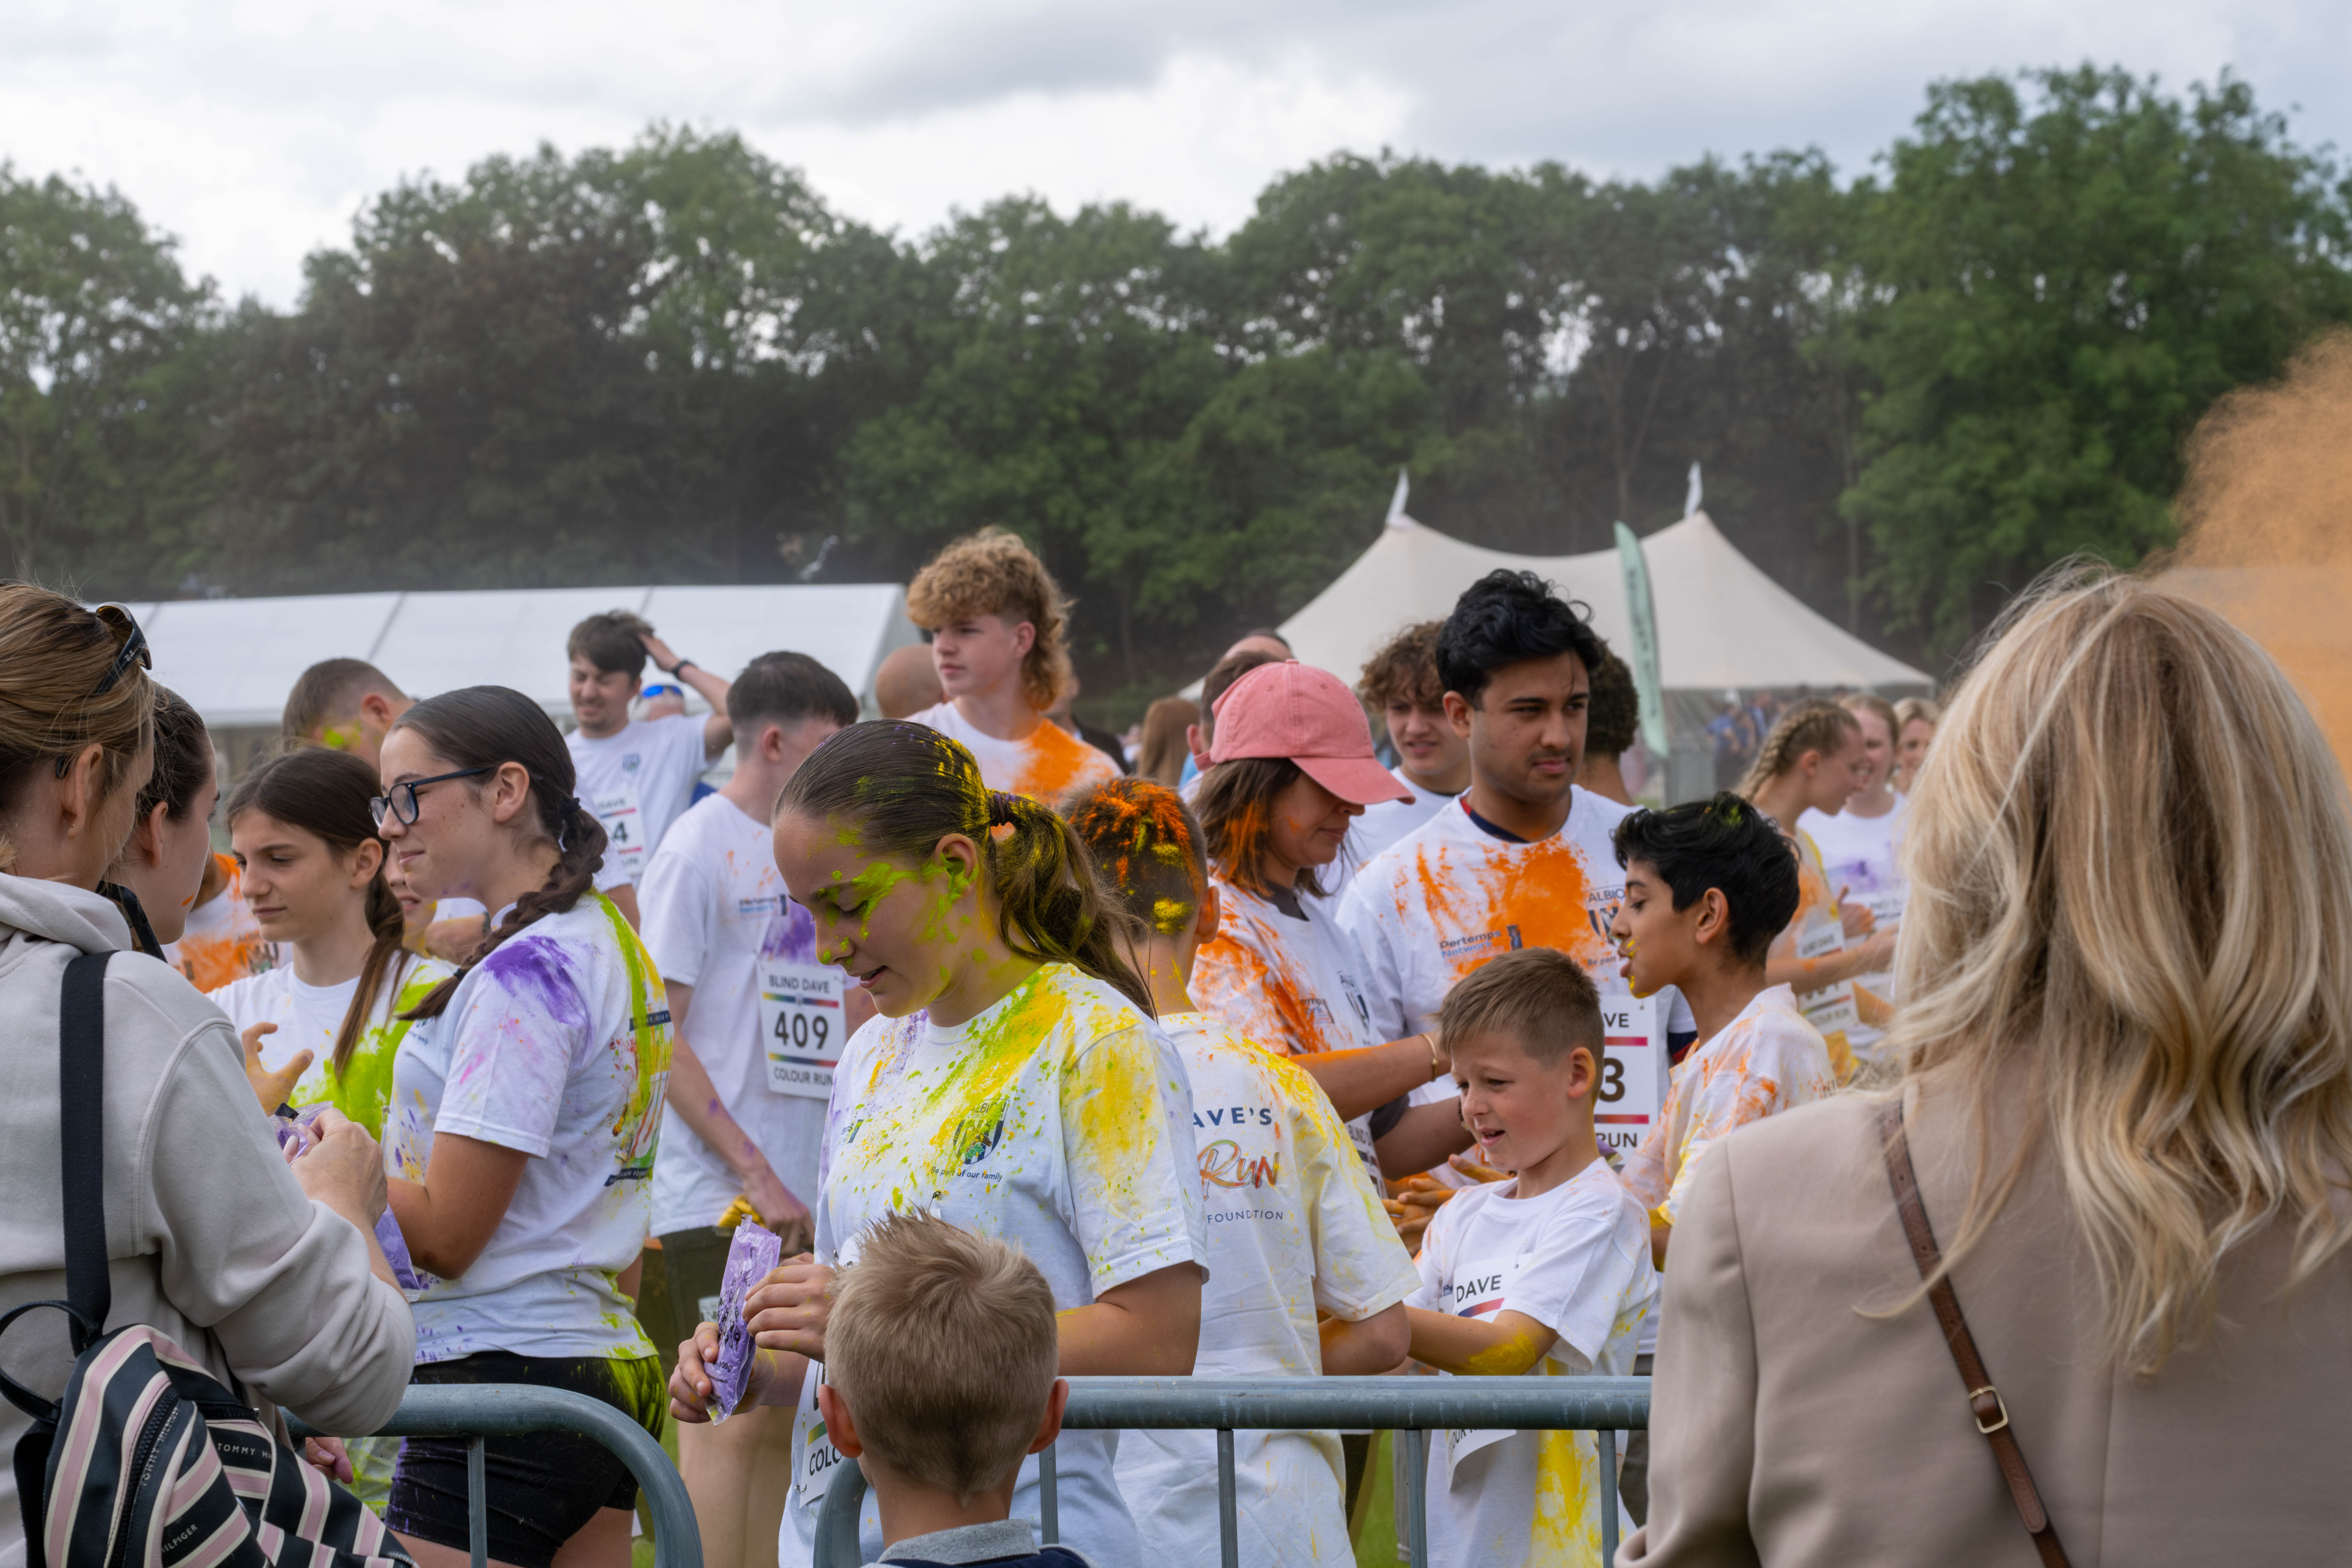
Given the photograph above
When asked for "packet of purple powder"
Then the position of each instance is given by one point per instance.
(295, 1137)
(753, 1253)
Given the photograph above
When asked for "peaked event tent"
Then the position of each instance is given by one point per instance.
(1722, 623)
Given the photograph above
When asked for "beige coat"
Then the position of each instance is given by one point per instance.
(1789, 1428)
(204, 1223)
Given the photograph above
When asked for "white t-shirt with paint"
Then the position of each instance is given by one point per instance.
(1046, 765)
(1382, 823)
(716, 917)
(557, 1045)
(1058, 1120)
(1858, 855)
(309, 1017)
(1576, 1260)
(637, 781)
(1294, 1225)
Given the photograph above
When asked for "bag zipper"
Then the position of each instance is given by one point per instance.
(143, 1462)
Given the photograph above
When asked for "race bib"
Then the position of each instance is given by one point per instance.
(800, 1026)
(1360, 1134)
(814, 1459)
(1633, 1072)
(625, 828)
(1831, 1010)
(1477, 1291)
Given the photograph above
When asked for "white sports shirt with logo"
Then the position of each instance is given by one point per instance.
(1576, 1260)
(1294, 1225)
(637, 781)
(1058, 1120)
(717, 918)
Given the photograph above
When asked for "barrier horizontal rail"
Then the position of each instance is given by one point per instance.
(1411, 1407)
(476, 1411)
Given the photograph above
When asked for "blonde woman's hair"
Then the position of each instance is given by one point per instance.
(1911, 708)
(1860, 702)
(945, 1346)
(2131, 914)
(54, 657)
(1811, 724)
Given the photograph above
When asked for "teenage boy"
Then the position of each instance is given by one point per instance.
(1545, 1274)
(1295, 1226)
(756, 1024)
(1523, 858)
(996, 618)
(1400, 683)
(636, 775)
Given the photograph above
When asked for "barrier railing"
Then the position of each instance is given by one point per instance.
(476, 1411)
(1413, 1407)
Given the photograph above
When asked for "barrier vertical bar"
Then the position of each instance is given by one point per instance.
(478, 1505)
(1416, 1492)
(1605, 1440)
(1229, 1530)
(1049, 1498)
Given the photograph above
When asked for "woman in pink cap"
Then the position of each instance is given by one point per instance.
(1290, 768)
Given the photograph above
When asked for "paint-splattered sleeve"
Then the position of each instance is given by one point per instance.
(1769, 1066)
(1127, 1141)
(512, 1045)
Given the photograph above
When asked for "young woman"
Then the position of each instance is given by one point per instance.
(1013, 1083)
(325, 1026)
(163, 863)
(1914, 731)
(1812, 761)
(1857, 848)
(526, 1105)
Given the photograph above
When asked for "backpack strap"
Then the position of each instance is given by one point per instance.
(1984, 1400)
(82, 1100)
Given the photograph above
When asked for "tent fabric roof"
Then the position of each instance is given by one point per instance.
(1722, 623)
(235, 659)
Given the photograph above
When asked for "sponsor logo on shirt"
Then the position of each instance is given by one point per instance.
(1234, 1116)
(1223, 1164)
(974, 1136)
(772, 904)
(630, 763)
(1507, 940)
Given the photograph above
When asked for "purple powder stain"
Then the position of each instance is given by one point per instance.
(750, 1257)
(536, 967)
(291, 1131)
(790, 934)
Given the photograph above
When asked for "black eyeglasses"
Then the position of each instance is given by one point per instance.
(390, 804)
(134, 646)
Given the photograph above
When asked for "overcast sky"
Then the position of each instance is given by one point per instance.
(254, 130)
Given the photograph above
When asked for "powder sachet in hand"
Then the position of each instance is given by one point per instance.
(754, 1252)
(296, 1134)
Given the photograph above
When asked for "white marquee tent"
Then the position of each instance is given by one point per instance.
(235, 659)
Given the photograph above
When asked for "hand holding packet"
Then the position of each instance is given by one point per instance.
(296, 1136)
(751, 1257)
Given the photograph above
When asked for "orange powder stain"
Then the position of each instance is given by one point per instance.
(1258, 1000)
(1536, 895)
(1053, 762)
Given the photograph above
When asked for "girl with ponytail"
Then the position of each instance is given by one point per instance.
(1013, 1083)
(526, 1106)
(323, 1028)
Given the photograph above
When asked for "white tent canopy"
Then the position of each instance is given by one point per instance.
(1722, 623)
(235, 659)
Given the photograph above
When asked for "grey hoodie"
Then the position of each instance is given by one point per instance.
(205, 1226)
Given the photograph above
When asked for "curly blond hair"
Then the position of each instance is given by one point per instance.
(994, 573)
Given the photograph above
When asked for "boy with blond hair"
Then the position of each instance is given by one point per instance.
(996, 620)
(1546, 1274)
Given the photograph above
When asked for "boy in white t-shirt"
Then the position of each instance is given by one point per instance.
(1546, 1274)
(1295, 1225)
(756, 1023)
(1400, 683)
(635, 776)
(995, 616)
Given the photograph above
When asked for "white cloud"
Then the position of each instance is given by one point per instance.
(255, 129)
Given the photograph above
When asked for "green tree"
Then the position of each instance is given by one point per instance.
(2065, 278)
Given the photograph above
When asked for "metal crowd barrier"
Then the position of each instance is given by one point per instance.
(1413, 1407)
(476, 1411)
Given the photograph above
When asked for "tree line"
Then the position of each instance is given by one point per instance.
(675, 363)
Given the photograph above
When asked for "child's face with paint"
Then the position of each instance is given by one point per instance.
(1306, 825)
(900, 931)
(1663, 945)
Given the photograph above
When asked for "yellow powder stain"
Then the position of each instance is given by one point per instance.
(1566, 1526)
(1507, 1359)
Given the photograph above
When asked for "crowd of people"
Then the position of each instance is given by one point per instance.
(1238, 1053)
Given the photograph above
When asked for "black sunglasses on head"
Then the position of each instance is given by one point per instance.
(134, 647)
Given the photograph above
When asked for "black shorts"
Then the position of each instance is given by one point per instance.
(541, 1488)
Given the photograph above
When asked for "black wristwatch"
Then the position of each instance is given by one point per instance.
(677, 668)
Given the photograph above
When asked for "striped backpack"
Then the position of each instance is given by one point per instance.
(148, 1462)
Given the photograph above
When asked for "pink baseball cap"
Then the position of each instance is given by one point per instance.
(1309, 715)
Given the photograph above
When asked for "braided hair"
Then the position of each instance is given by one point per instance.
(1814, 724)
(906, 787)
(487, 727)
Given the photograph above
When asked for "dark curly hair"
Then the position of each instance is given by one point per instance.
(1722, 843)
(1615, 719)
(1506, 617)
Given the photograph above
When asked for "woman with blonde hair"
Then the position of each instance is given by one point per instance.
(1915, 719)
(2124, 1118)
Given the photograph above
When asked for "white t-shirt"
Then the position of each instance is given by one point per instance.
(309, 1017)
(1292, 984)
(1576, 1260)
(1858, 855)
(637, 781)
(1047, 765)
(1382, 823)
(714, 913)
(558, 1045)
(1058, 1120)
(1294, 1225)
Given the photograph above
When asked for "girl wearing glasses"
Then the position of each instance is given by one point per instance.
(525, 1107)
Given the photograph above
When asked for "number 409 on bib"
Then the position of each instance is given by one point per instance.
(800, 1026)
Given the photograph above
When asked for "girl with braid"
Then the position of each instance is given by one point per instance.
(1813, 760)
(1013, 1083)
(525, 1108)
